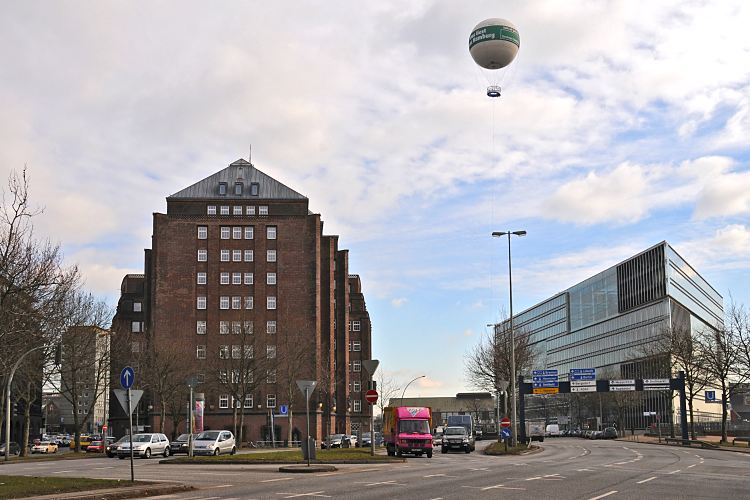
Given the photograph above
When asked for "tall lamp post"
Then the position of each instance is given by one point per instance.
(514, 423)
(407, 386)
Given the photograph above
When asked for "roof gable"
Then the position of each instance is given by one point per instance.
(244, 172)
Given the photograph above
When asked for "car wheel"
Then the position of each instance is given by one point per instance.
(166, 452)
(147, 453)
(216, 452)
(467, 450)
(399, 453)
(444, 450)
(234, 450)
(121, 458)
(429, 454)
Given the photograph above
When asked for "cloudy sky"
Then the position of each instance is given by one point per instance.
(621, 124)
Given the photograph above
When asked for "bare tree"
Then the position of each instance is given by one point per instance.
(294, 362)
(388, 387)
(165, 374)
(489, 362)
(721, 352)
(85, 368)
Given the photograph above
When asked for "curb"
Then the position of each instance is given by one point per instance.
(140, 491)
(304, 469)
(282, 462)
(717, 448)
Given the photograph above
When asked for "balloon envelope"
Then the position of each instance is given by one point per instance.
(494, 43)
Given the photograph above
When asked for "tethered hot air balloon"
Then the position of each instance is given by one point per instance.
(493, 45)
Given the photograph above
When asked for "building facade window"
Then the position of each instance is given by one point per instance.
(223, 302)
(357, 405)
(249, 350)
(237, 232)
(357, 366)
(236, 278)
(248, 327)
(202, 232)
(137, 306)
(248, 278)
(249, 302)
(356, 345)
(236, 351)
(270, 303)
(254, 189)
(211, 210)
(271, 351)
(250, 210)
(201, 278)
(225, 232)
(223, 327)
(222, 189)
(263, 210)
(200, 327)
(271, 376)
(236, 255)
(249, 255)
(237, 188)
(271, 401)
(224, 401)
(224, 278)
(270, 278)
(237, 210)
(357, 386)
(135, 326)
(236, 302)
(248, 400)
(271, 327)
(249, 232)
(224, 210)
(202, 255)
(225, 255)
(271, 255)
(200, 352)
(356, 326)
(201, 302)
(223, 352)
(271, 232)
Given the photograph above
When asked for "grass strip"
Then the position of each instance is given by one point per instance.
(25, 486)
(499, 449)
(293, 456)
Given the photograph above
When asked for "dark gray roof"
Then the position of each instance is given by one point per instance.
(239, 171)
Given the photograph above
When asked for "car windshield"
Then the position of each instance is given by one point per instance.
(123, 439)
(334, 437)
(183, 437)
(142, 438)
(414, 427)
(366, 435)
(96, 443)
(208, 436)
(455, 431)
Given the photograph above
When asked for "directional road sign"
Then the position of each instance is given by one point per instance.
(584, 388)
(127, 377)
(583, 374)
(505, 433)
(371, 396)
(545, 381)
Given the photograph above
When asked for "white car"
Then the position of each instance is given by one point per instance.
(44, 447)
(214, 443)
(145, 445)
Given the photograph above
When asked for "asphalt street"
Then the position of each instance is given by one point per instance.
(567, 468)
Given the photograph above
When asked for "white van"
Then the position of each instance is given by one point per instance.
(553, 430)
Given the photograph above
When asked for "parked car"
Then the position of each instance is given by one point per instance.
(336, 441)
(456, 438)
(85, 441)
(352, 440)
(366, 439)
(13, 448)
(111, 448)
(95, 447)
(214, 443)
(437, 437)
(609, 433)
(552, 430)
(145, 445)
(595, 435)
(44, 447)
(180, 445)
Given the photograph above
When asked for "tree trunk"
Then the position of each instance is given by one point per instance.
(24, 442)
(234, 417)
(163, 416)
(289, 431)
(692, 422)
(242, 423)
(723, 412)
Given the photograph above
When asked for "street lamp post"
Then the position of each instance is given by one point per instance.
(514, 424)
(407, 386)
(8, 412)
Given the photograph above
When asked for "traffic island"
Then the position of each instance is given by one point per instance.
(82, 488)
(335, 456)
(307, 468)
(497, 449)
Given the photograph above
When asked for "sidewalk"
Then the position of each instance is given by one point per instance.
(640, 438)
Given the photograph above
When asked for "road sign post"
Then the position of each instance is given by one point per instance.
(371, 365)
(307, 386)
(127, 377)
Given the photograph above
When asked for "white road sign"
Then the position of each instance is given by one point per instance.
(617, 388)
(622, 382)
(582, 383)
(585, 388)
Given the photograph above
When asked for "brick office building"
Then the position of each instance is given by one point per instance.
(241, 283)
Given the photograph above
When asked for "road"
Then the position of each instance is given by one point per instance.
(566, 468)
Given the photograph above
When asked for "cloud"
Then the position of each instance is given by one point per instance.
(468, 333)
(430, 383)
(398, 302)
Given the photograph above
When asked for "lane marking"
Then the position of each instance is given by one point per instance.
(277, 479)
(311, 494)
(62, 471)
(674, 471)
(584, 470)
(647, 480)
(482, 468)
(689, 466)
(604, 495)
(439, 475)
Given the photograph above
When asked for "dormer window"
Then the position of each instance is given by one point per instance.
(222, 189)
(254, 189)
(237, 188)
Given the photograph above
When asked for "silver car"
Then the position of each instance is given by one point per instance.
(214, 443)
(145, 445)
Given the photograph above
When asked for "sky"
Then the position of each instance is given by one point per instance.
(621, 124)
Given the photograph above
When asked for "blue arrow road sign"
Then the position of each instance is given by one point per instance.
(283, 410)
(505, 433)
(591, 371)
(537, 373)
(127, 376)
(546, 384)
(545, 378)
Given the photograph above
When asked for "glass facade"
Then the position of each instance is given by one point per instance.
(689, 288)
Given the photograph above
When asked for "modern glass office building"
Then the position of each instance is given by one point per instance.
(611, 320)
